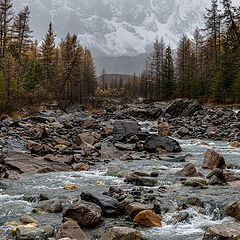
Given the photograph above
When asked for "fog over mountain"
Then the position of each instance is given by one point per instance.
(116, 28)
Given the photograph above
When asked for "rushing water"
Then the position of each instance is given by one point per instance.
(14, 193)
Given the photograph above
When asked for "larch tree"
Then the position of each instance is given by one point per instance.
(21, 32)
(6, 16)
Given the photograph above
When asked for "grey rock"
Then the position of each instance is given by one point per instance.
(182, 107)
(122, 233)
(108, 204)
(223, 231)
(125, 129)
(32, 233)
(85, 213)
(71, 230)
(51, 206)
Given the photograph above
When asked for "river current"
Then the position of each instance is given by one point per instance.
(15, 194)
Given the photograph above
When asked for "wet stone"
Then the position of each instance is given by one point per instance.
(224, 231)
(123, 233)
(108, 204)
(87, 214)
(72, 230)
(51, 206)
(30, 233)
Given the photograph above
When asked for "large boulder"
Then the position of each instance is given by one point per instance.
(183, 107)
(122, 233)
(213, 160)
(189, 171)
(148, 218)
(154, 142)
(72, 230)
(87, 214)
(125, 129)
(223, 231)
(108, 204)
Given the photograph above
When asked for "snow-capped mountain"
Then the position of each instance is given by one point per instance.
(117, 27)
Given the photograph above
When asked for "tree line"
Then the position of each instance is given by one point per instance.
(31, 72)
(205, 67)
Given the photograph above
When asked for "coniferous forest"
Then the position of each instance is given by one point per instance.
(205, 67)
(33, 72)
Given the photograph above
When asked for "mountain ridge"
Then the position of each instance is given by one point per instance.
(117, 27)
(119, 33)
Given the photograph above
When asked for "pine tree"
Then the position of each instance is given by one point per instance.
(218, 91)
(168, 74)
(198, 88)
(48, 57)
(184, 68)
(90, 79)
(157, 62)
(230, 59)
(34, 76)
(213, 26)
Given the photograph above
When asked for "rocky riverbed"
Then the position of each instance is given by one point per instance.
(131, 172)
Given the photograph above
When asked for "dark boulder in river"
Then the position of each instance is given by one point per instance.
(153, 142)
(126, 129)
(183, 107)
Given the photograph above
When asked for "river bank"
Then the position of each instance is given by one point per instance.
(113, 160)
